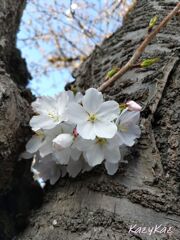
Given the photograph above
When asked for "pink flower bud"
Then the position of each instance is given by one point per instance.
(133, 106)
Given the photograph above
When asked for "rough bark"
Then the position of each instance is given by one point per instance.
(146, 190)
(14, 111)
(14, 117)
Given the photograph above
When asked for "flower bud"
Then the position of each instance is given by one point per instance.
(148, 62)
(152, 23)
(133, 106)
(112, 72)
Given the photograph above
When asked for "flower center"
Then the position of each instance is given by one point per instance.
(101, 141)
(92, 118)
(122, 106)
(74, 89)
(122, 128)
(40, 133)
(54, 117)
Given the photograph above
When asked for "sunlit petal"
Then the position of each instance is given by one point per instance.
(108, 111)
(92, 100)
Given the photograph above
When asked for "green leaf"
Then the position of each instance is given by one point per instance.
(112, 72)
(153, 22)
(149, 62)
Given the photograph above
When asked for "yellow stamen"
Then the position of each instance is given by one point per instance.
(92, 118)
(40, 133)
(122, 128)
(101, 141)
(54, 117)
(122, 106)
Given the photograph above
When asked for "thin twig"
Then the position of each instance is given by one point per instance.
(140, 49)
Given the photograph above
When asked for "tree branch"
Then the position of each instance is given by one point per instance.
(140, 49)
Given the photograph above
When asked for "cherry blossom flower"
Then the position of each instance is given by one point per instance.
(128, 129)
(94, 117)
(74, 133)
(51, 111)
(42, 141)
(95, 151)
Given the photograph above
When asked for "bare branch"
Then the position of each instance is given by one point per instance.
(140, 49)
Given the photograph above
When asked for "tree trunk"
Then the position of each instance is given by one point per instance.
(145, 191)
(14, 117)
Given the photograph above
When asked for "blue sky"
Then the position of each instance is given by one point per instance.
(43, 84)
(55, 80)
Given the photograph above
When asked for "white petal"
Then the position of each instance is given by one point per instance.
(82, 144)
(105, 129)
(129, 117)
(63, 170)
(44, 105)
(78, 97)
(108, 111)
(76, 113)
(86, 130)
(62, 141)
(41, 182)
(62, 101)
(54, 174)
(62, 156)
(75, 154)
(121, 140)
(95, 156)
(67, 128)
(113, 142)
(25, 155)
(42, 122)
(45, 149)
(92, 100)
(135, 130)
(75, 98)
(112, 155)
(74, 168)
(128, 138)
(34, 144)
(85, 167)
(70, 95)
(111, 167)
(53, 132)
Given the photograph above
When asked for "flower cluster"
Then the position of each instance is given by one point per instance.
(75, 132)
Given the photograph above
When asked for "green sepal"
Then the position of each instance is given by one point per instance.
(122, 106)
(74, 89)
